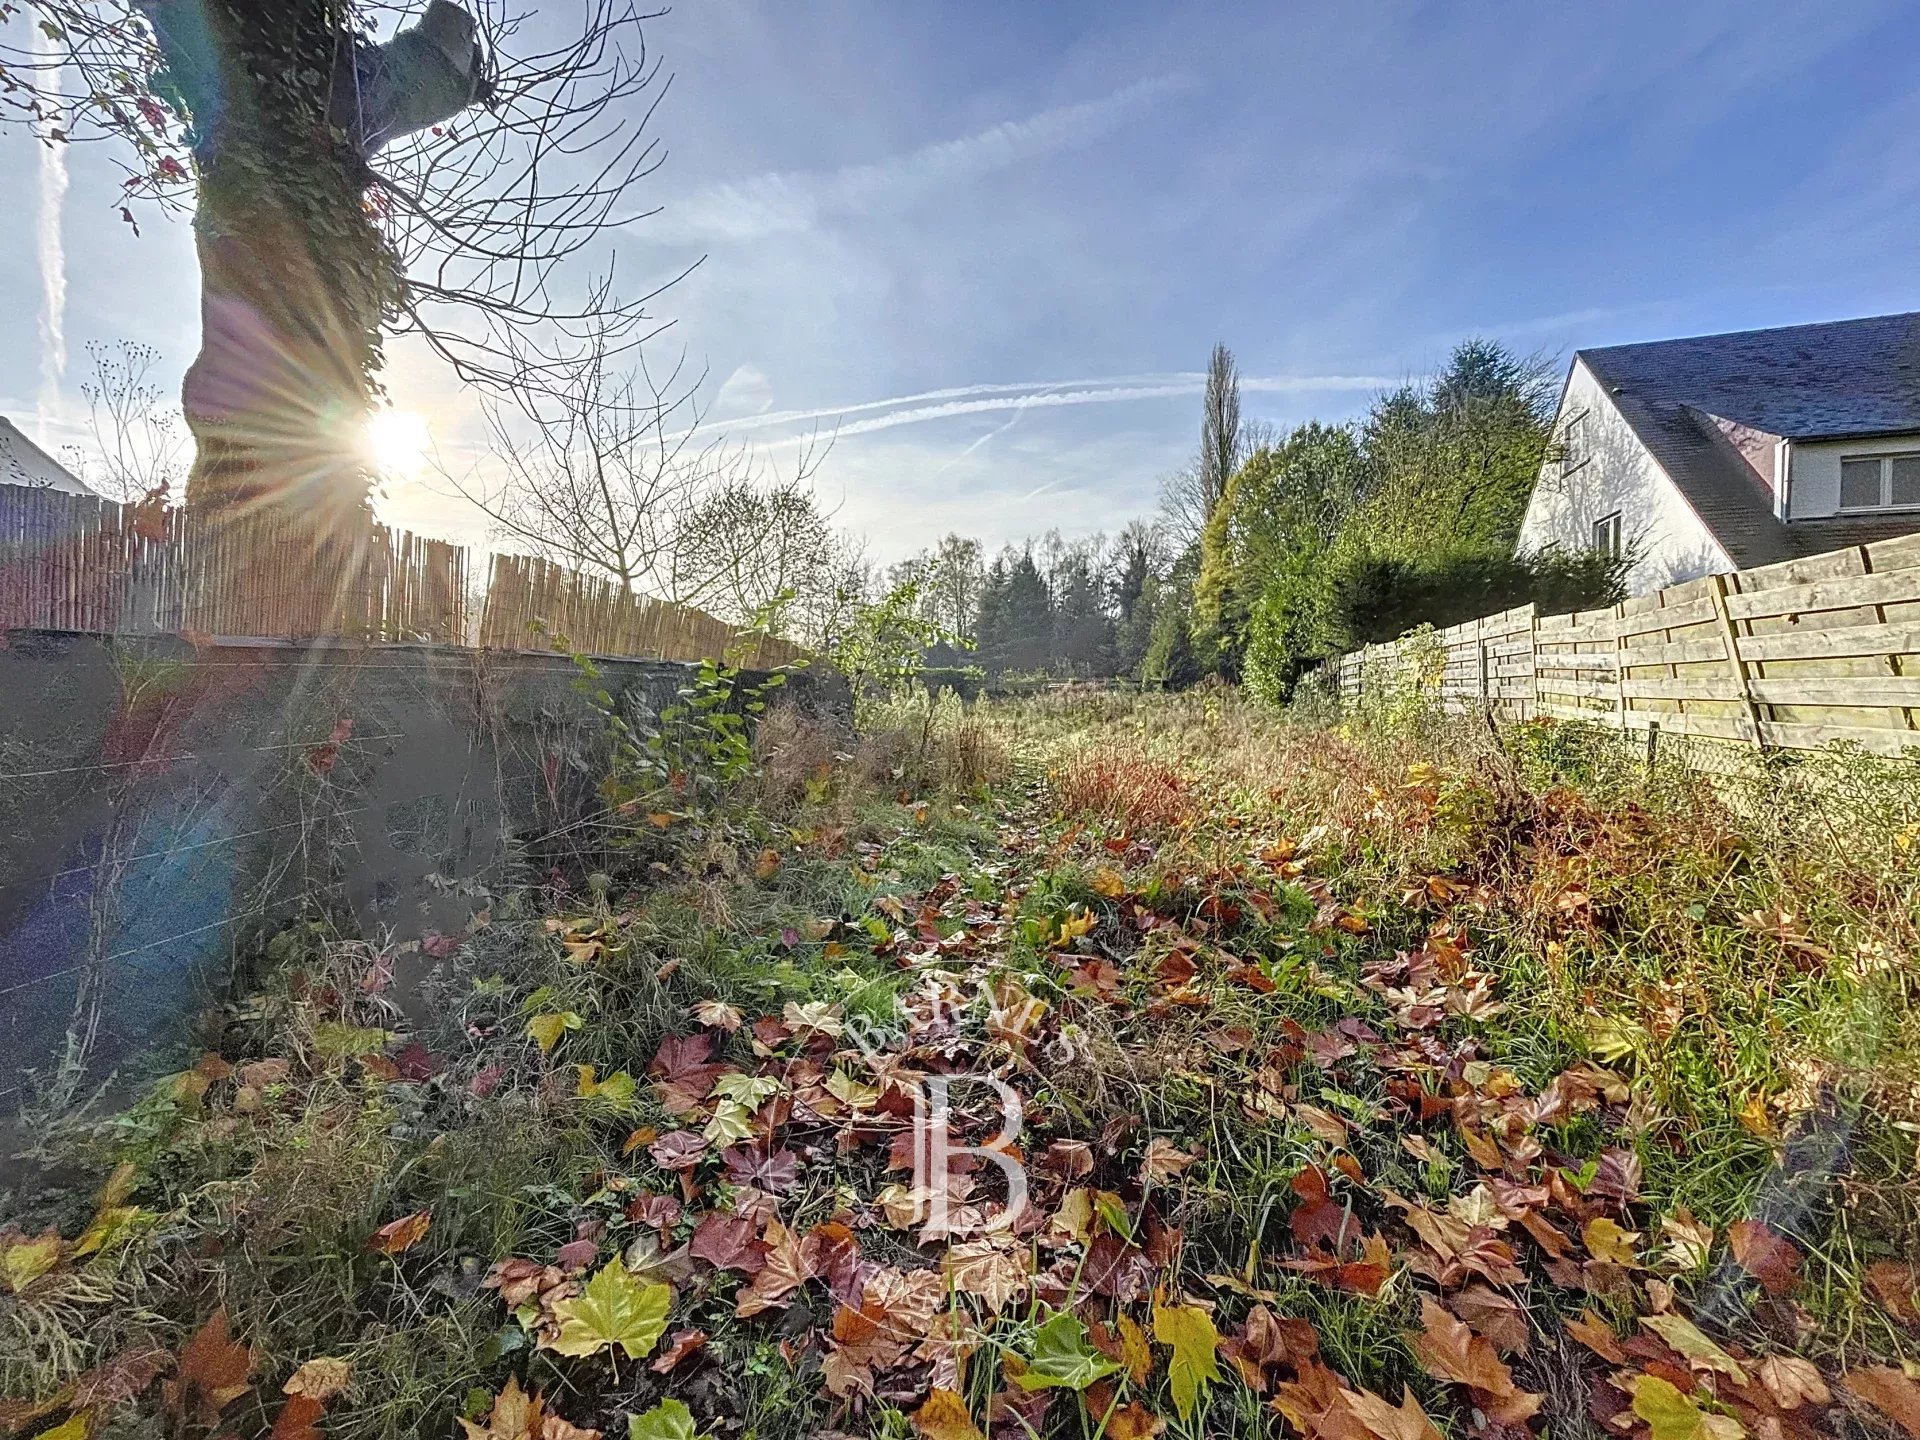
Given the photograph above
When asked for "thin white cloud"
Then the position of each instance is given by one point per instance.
(984, 399)
(973, 399)
(52, 258)
(783, 202)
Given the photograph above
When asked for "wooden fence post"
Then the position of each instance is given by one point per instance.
(1730, 637)
(1619, 667)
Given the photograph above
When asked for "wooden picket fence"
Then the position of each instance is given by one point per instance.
(1794, 656)
(82, 563)
(534, 604)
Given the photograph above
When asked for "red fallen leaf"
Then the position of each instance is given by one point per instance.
(785, 1270)
(678, 1150)
(774, 1171)
(212, 1375)
(1889, 1391)
(416, 1063)
(577, 1254)
(1896, 1287)
(1251, 976)
(1264, 1341)
(1070, 1159)
(684, 1070)
(1500, 1318)
(680, 1345)
(1449, 1350)
(400, 1235)
(831, 1252)
(727, 1242)
(660, 1211)
(1117, 1269)
(297, 1419)
(1617, 1176)
(1316, 1220)
(1768, 1258)
(486, 1081)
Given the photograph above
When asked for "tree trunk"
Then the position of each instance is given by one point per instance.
(294, 276)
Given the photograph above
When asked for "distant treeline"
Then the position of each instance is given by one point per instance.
(1273, 550)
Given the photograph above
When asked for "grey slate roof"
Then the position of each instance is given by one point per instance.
(1841, 379)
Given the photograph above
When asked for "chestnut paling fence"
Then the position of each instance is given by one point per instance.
(83, 563)
(1794, 656)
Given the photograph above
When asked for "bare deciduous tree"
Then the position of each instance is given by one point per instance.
(444, 181)
(601, 473)
(139, 442)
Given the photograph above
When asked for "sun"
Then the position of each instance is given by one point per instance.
(398, 443)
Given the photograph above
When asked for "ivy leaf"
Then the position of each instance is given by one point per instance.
(613, 1309)
(1062, 1357)
(669, 1420)
(546, 1029)
(1189, 1331)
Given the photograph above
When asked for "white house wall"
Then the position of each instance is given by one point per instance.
(1814, 467)
(1609, 470)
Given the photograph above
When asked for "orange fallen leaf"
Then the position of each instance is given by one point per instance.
(403, 1234)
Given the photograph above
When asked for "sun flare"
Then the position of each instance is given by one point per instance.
(398, 443)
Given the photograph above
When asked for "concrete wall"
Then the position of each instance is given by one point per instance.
(1607, 469)
(162, 805)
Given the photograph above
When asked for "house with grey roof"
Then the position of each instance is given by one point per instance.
(24, 463)
(1723, 452)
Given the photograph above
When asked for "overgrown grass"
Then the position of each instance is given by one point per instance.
(1200, 894)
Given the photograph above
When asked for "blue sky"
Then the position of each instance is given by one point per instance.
(1038, 218)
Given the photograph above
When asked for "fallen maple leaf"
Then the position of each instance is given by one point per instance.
(727, 1242)
(1598, 1336)
(982, 1269)
(945, 1416)
(680, 1345)
(1407, 1421)
(1606, 1240)
(613, 1309)
(1164, 1160)
(1691, 1342)
(1892, 1392)
(1671, 1415)
(400, 1235)
(1189, 1331)
(1449, 1350)
(1773, 1261)
(320, 1378)
(212, 1374)
(1792, 1382)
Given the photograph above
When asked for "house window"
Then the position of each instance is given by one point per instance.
(1606, 534)
(1880, 482)
(1573, 448)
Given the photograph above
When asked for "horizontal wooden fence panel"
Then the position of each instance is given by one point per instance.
(83, 563)
(1808, 653)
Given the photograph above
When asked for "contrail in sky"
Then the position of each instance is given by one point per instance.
(53, 262)
(974, 399)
